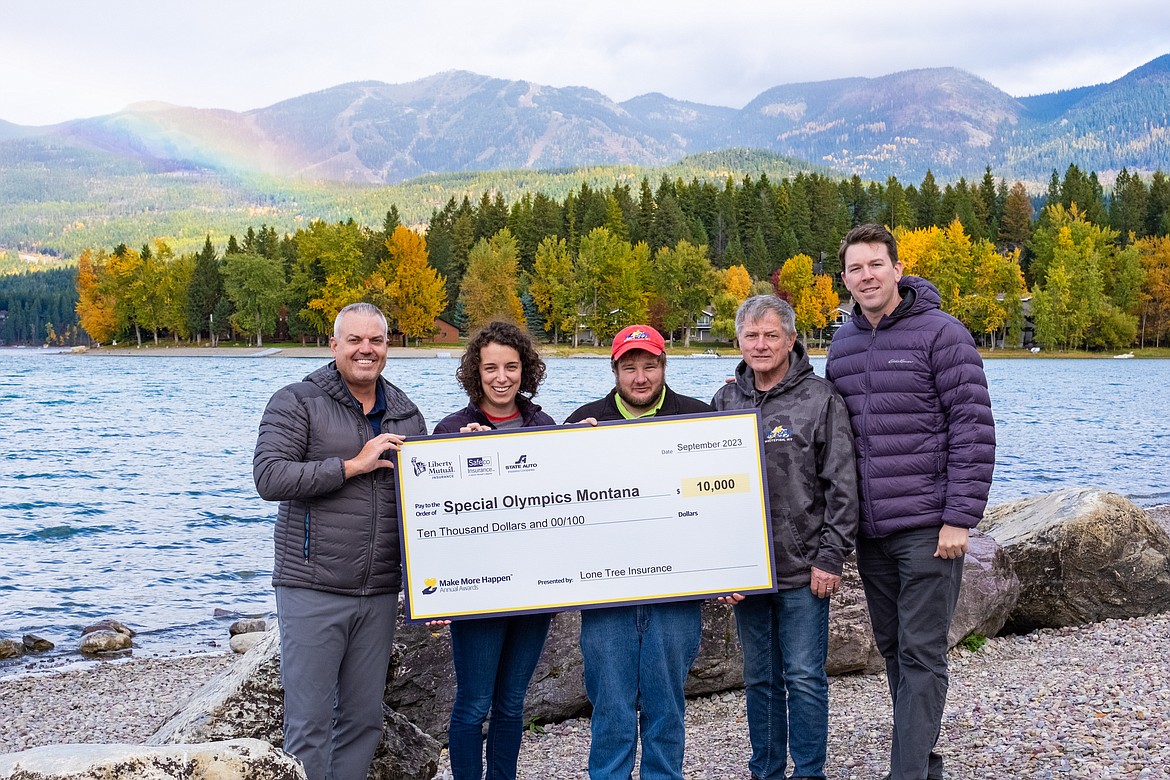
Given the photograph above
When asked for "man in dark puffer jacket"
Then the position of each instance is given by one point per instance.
(925, 438)
(324, 452)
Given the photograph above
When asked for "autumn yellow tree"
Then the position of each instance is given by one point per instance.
(812, 295)
(97, 309)
(796, 279)
(737, 282)
(417, 294)
(1154, 299)
(337, 251)
(488, 291)
(980, 286)
(551, 286)
(823, 301)
(611, 282)
(126, 278)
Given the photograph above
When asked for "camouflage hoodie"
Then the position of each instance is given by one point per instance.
(812, 477)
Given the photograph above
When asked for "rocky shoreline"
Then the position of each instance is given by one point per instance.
(1080, 701)
(1086, 702)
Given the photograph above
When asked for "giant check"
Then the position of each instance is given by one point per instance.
(543, 519)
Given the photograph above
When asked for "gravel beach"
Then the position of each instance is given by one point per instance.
(1087, 702)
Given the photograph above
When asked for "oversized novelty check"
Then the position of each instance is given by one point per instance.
(576, 516)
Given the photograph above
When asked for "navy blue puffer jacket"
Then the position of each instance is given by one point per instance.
(921, 414)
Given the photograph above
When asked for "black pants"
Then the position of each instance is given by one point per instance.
(912, 596)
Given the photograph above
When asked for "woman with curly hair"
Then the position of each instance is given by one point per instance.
(494, 657)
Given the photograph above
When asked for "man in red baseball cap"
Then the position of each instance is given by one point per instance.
(637, 657)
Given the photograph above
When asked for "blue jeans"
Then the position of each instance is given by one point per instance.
(637, 658)
(494, 659)
(785, 639)
(911, 597)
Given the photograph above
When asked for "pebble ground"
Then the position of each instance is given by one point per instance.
(1086, 702)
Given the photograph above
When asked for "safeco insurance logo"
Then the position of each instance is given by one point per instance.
(479, 465)
(522, 464)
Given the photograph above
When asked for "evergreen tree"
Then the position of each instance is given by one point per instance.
(1016, 228)
(644, 223)
(1085, 193)
(1127, 208)
(929, 202)
(669, 224)
(1158, 206)
(392, 221)
(898, 211)
(204, 293)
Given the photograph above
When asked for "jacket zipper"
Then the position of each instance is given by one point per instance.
(374, 504)
(865, 427)
(305, 549)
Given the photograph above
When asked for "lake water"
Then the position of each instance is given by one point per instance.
(126, 487)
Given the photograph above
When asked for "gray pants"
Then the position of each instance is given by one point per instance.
(911, 597)
(334, 655)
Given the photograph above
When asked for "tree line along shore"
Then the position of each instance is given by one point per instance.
(1072, 269)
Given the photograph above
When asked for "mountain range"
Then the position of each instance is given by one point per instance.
(942, 119)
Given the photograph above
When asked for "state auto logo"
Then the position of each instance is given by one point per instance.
(430, 585)
(521, 463)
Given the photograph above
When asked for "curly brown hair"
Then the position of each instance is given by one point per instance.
(506, 334)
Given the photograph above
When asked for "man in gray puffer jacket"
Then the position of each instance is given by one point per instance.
(812, 495)
(925, 436)
(325, 451)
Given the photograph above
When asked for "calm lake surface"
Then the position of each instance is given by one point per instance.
(126, 487)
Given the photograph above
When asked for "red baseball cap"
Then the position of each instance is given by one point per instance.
(637, 337)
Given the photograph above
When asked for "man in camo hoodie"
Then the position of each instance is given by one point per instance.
(812, 493)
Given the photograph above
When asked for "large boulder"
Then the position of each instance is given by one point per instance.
(247, 700)
(240, 759)
(1082, 555)
(990, 590)
(422, 685)
(851, 644)
(422, 677)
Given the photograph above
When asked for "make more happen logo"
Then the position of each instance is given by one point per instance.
(450, 584)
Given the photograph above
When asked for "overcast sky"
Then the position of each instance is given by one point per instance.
(64, 59)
